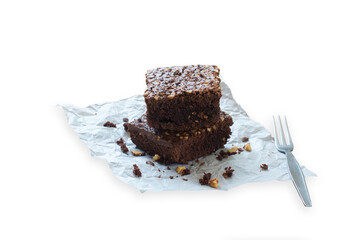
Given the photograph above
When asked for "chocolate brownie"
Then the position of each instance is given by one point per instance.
(183, 98)
(179, 147)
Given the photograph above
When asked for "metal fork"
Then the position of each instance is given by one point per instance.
(295, 172)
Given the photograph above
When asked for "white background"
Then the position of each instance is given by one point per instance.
(299, 58)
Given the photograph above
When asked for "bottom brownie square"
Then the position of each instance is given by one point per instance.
(179, 147)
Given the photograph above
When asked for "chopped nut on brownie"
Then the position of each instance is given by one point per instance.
(214, 183)
(247, 147)
(122, 144)
(136, 171)
(245, 139)
(156, 157)
(205, 179)
(109, 124)
(228, 172)
(264, 166)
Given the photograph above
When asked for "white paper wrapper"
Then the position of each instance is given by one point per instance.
(88, 123)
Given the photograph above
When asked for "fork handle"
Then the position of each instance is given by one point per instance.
(298, 179)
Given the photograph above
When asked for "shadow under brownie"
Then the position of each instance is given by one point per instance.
(179, 147)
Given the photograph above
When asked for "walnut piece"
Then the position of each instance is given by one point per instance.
(233, 150)
(247, 147)
(156, 157)
(214, 183)
(183, 171)
(137, 153)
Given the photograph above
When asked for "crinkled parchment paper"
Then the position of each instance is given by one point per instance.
(88, 123)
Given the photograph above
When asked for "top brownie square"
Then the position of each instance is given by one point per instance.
(183, 98)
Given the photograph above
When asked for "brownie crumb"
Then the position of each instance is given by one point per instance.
(150, 163)
(245, 139)
(264, 166)
(125, 119)
(197, 160)
(191, 165)
(122, 144)
(159, 170)
(171, 177)
(202, 164)
(223, 154)
(185, 179)
(168, 168)
(137, 153)
(159, 176)
(177, 176)
(205, 179)
(184, 172)
(136, 171)
(228, 172)
(110, 124)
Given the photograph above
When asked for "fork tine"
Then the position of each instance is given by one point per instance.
(276, 138)
(282, 136)
(288, 132)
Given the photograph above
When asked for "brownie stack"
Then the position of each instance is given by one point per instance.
(183, 119)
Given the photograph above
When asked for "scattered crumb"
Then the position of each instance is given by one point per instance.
(177, 176)
(186, 171)
(182, 171)
(125, 119)
(197, 160)
(202, 164)
(247, 147)
(223, 154)
(191, 165)
(214, 183)
(136, 171)
(150, 163)
(110, 124)
(137, 153)
(168, 168)
(205, 179)
(122, 144)
(159, 176)
(228, 172)
(245, 139)
(185, 179)
(264, 166)
(171, 177)
(159, 170)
